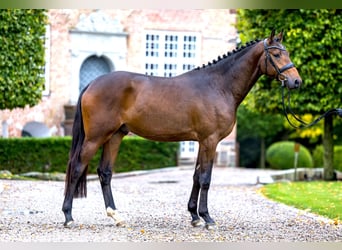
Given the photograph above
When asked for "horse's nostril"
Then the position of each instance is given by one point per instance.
(297, 83)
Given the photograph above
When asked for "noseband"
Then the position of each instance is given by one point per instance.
(268, 57)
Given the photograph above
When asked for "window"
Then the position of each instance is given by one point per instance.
(171, 53)
(192, 146)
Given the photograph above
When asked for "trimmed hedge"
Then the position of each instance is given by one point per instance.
(280, 155)
(20, 155)
(318, 157)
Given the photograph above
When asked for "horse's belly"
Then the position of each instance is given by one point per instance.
(162, 128)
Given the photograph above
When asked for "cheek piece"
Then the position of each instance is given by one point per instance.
(280, 77)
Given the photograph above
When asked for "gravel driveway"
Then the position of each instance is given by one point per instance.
(154, 205)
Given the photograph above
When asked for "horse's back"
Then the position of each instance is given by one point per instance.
(115, 80)
(119, 86)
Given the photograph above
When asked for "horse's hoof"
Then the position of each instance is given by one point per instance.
(211, 226)
(119, 221)
(196, 223)
(121, 224)
(69, 224)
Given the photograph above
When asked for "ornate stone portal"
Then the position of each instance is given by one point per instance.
(96, 36)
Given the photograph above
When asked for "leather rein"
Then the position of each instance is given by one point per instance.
(282, 78)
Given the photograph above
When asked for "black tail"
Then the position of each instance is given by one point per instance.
(75, 152)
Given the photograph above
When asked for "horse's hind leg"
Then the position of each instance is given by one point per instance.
(109, 153)
(192, 205)
(77, 178)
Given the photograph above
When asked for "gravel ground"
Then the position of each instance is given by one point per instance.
(155, 208)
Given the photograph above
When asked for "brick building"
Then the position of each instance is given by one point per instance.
(82, 44)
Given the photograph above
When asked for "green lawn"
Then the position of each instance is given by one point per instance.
(324, 198)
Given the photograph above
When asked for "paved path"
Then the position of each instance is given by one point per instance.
(154, 206)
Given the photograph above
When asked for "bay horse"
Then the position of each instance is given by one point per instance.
(199, 105)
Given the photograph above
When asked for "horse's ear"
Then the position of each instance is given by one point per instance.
(280, 36)
(270, 39)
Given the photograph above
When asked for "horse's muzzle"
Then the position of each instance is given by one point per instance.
(293, 84)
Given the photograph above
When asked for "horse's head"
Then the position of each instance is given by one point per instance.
(277, 63)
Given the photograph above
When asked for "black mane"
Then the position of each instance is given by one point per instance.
(237, 49)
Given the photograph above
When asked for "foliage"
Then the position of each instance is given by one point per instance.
(280, 155)
(20, 155)
(318, 157)
(249, 152)
(313, 134)
(314, 39)
(252, 128)
(140, 154)
(324, 198)
(22, 33)
(253, 123)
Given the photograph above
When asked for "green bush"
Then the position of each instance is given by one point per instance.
(280, 155)
(22, 39)
(20, 155)
(318, 157)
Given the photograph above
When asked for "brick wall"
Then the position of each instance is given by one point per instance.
(216, 28)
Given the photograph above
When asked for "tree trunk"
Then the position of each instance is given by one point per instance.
(328, 149)
(262, 153)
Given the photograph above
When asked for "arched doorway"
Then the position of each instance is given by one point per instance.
(91, 68)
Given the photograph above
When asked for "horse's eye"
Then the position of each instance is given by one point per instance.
(276, 55)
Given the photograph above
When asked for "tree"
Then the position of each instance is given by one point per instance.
(314, 39)
(22, 38)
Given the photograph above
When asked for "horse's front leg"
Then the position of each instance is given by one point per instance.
(205, 179)
(201, 184)
(109, 153)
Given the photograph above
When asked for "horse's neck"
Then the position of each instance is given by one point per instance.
(240, 76)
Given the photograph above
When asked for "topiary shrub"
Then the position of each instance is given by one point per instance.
(318, 157)
(280, 155)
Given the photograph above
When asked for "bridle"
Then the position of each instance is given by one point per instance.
(282, 78)
(268, 57)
